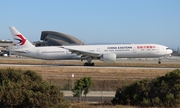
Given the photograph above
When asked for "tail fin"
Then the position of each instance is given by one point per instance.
(20, 40)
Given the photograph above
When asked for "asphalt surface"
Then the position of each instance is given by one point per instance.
(32, 65)
(92, 96)
(93, 99)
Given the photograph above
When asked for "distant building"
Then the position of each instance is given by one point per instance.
(4, 46)
(52, 38)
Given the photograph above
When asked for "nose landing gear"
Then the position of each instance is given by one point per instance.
(159, 62)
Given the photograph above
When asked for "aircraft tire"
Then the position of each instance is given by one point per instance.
(85, 64)
(159, 62)
(88, 64)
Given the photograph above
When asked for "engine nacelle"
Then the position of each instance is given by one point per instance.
(109, 57)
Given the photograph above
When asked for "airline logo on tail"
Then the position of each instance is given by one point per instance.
(21, 39)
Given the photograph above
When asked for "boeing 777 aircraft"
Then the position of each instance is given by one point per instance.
(105, 53)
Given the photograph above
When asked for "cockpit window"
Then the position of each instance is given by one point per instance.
(168, 48)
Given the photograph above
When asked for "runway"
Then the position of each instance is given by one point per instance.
(89, 67)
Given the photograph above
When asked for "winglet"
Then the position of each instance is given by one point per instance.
(19, 39)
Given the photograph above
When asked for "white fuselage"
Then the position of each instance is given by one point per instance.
(121, 51)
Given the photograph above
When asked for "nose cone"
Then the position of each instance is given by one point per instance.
(170, 51)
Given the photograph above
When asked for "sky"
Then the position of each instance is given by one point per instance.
(95, 21)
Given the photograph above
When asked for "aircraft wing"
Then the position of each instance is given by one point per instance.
(83, 53)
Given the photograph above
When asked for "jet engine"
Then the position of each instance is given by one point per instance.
(109, 57)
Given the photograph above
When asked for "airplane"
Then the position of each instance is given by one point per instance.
(106, 53)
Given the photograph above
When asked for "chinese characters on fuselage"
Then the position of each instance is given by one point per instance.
(146, 47)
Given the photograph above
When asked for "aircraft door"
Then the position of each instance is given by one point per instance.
(134, 49)
(27, 52)
(98, 50)
(37, 52)
(157, 49)
(67, 52)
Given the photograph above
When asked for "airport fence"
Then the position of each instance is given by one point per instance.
(98, 84)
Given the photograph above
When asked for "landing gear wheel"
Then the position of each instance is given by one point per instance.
(159, 62)
(88, 64)
(85, 64)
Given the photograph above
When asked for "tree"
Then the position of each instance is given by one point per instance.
(161, 91)
(82, 85)
(27, 89)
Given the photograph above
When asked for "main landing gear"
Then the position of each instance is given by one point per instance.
(89, 63)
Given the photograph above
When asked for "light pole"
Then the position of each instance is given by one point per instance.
(72, 81)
